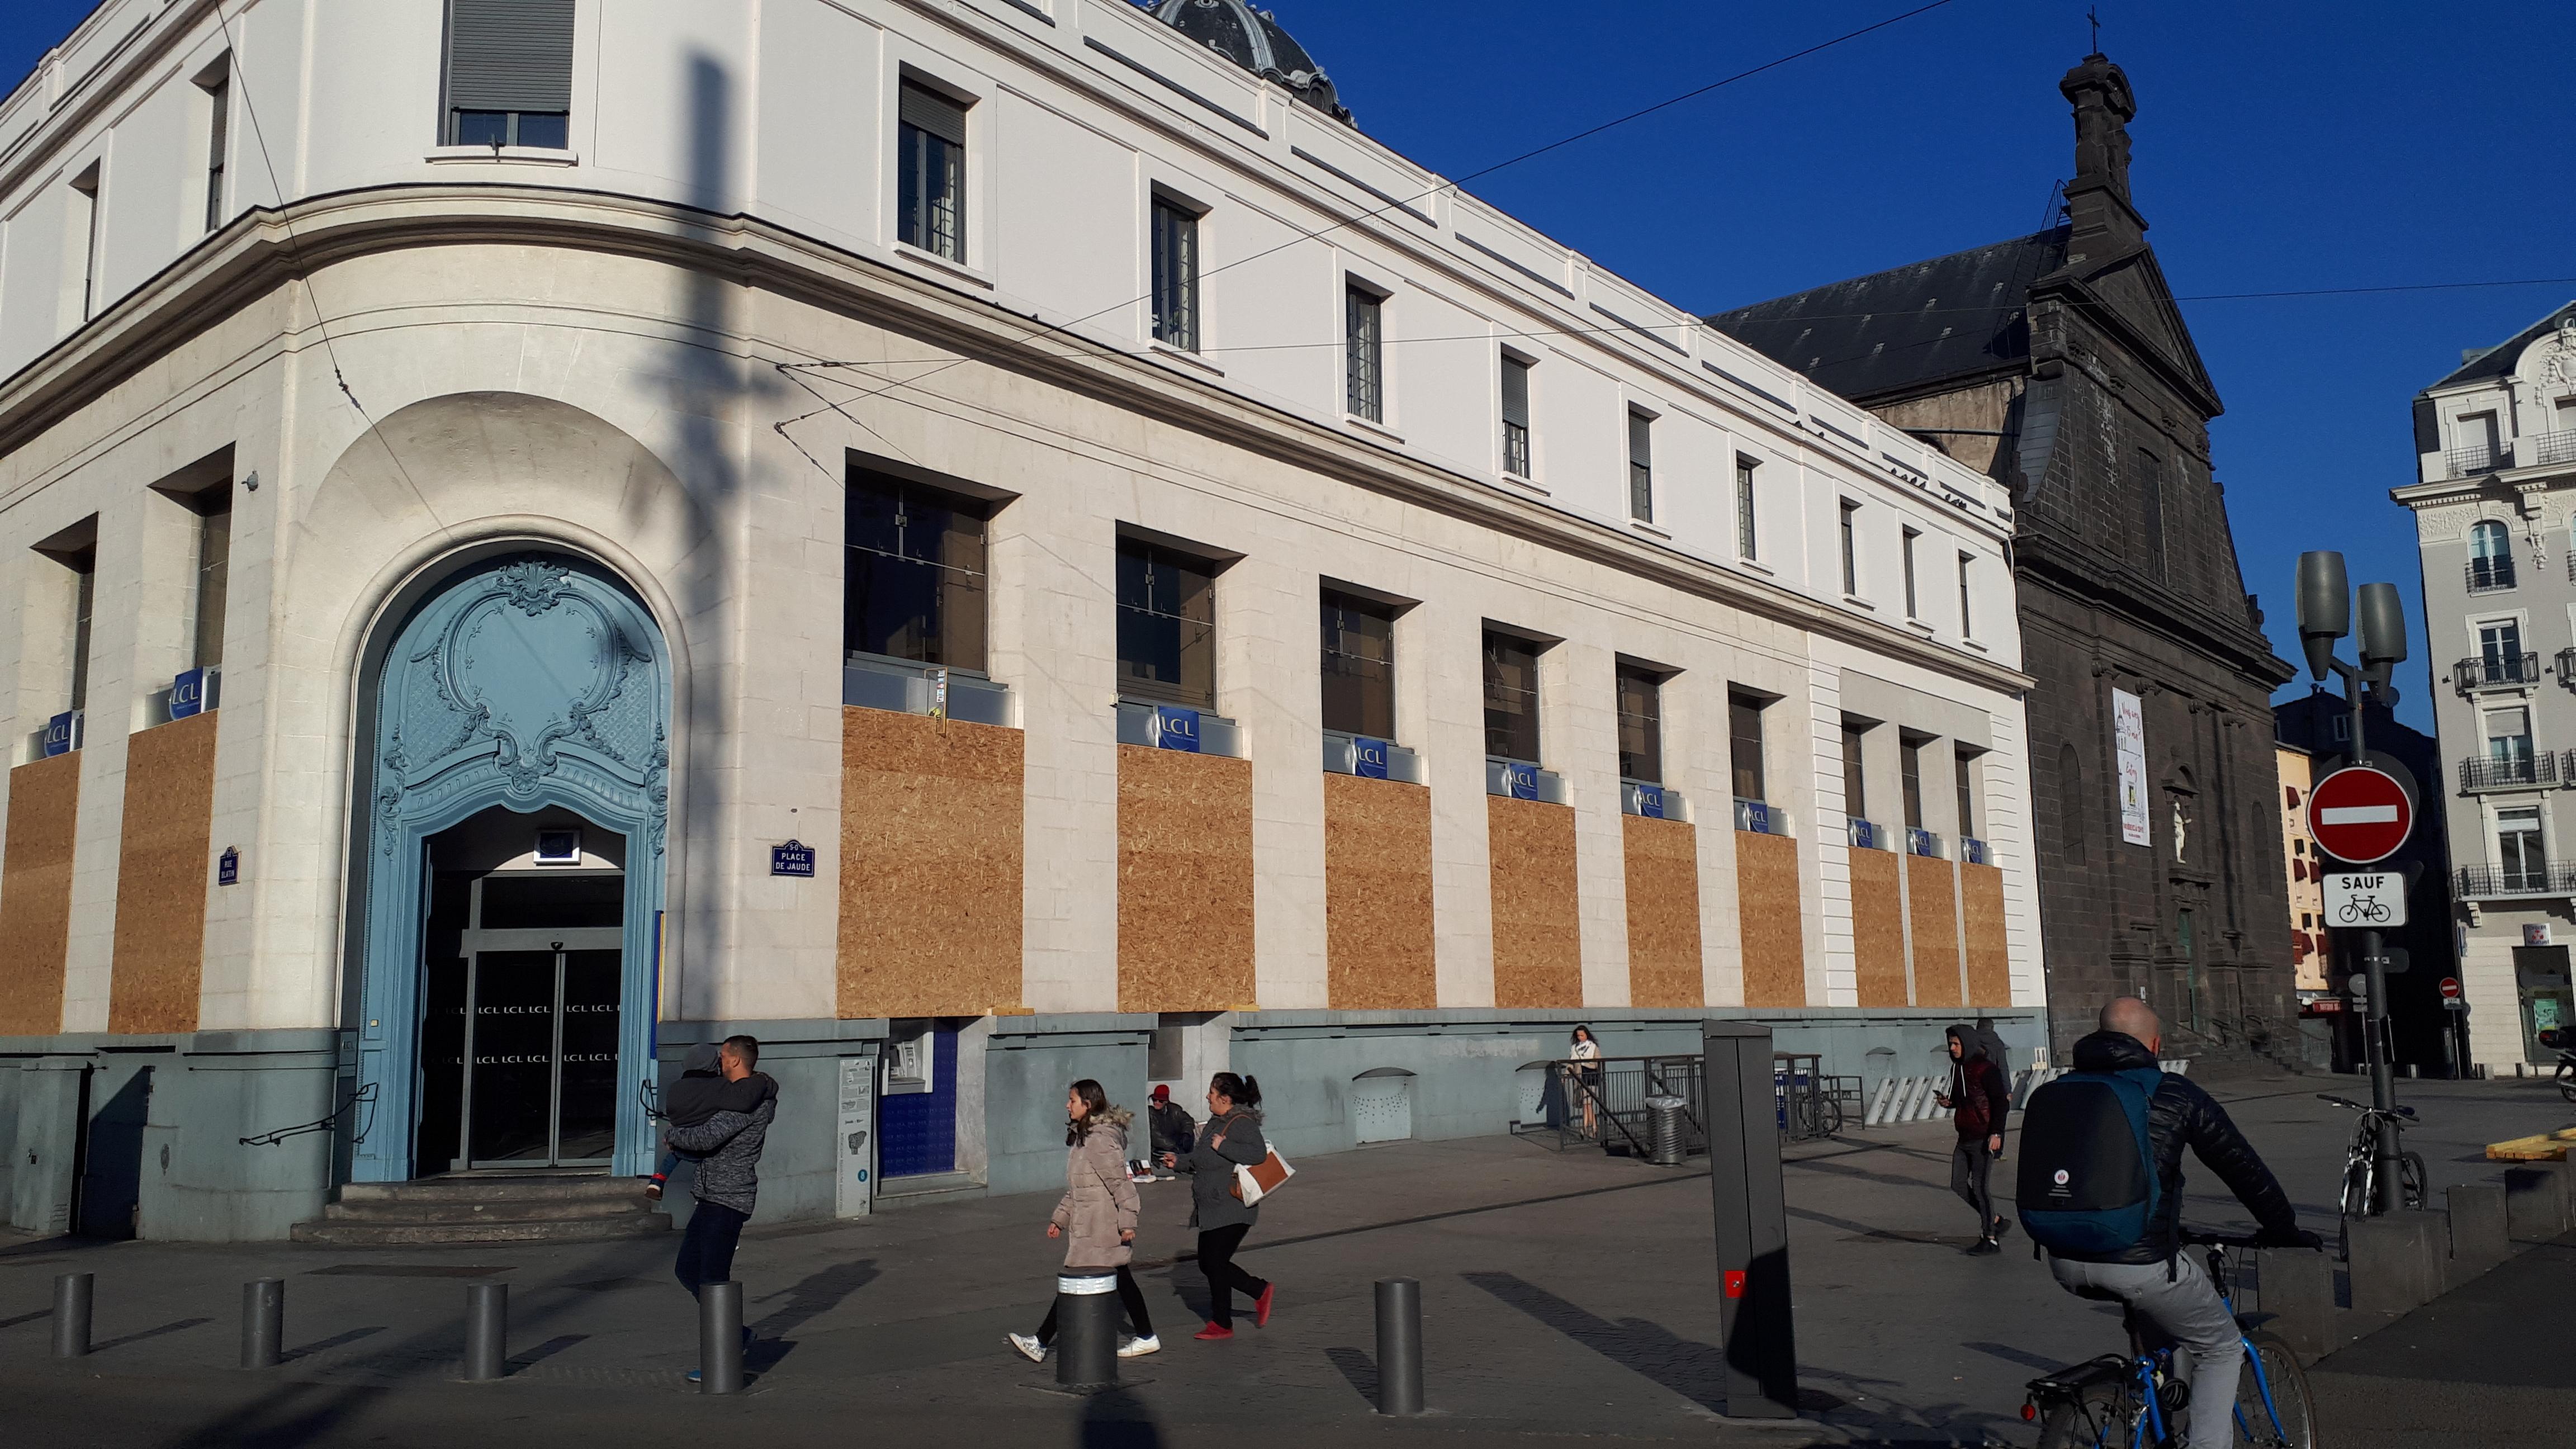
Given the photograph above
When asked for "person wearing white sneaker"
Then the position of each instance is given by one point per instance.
(1097, 1215)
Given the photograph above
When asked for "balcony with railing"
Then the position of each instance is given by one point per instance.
(2490, 575)
(2555, 878)
(2558, 447)
(2478, 458)
(2509, 772)
(2496, 671)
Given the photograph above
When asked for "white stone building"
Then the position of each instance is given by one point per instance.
(541, 533)
(2495, 516)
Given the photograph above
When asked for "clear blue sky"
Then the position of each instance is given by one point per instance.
(2278, 147)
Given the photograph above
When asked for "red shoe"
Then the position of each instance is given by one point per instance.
(1261, 1306)
(1212, 1332)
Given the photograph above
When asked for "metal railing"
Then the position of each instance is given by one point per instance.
(1810, 1102)
(2558, 447)
(2496, 671)
(2567, 656)
(2490, 575)
(2510, 772)
(2478, 458)
(2553, 879)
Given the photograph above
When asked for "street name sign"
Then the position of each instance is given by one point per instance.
(2360, 816)
(2368, 900)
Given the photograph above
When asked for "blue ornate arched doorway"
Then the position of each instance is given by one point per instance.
(535, 684)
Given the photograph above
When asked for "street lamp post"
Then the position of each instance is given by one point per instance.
(2325, 616)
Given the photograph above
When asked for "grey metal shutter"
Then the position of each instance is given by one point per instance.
(509, 55)
(1516, 392)
(930, 111)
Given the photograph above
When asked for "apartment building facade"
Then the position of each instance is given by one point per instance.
(982, 543)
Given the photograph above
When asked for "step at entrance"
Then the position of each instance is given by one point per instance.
(556, 1208)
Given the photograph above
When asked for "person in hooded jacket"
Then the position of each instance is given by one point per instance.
(701, 1092)
(1979, 1097)
(1097, 1215)
(2153, 1276)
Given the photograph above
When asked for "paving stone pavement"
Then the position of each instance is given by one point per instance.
(1566, 1295)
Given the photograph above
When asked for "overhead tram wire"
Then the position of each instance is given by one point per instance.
(295, 256)
(1447, 184)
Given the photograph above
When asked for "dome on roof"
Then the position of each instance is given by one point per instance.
(1252, 39)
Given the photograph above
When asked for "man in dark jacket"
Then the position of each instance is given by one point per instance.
(727, 1186)
(2162, 1284)
(1979, 1097)
(1172, 1129)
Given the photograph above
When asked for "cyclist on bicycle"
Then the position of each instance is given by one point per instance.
(2151, 1275)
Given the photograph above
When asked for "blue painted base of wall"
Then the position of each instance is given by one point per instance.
(195, 1179)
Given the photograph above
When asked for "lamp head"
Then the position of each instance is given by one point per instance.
(2325, 608)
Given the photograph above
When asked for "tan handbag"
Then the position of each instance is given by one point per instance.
(1257, 1180)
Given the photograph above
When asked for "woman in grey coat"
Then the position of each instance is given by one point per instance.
(1230, 1138)
(1097, 1215)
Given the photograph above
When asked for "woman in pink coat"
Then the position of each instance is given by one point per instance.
(1097, 1215)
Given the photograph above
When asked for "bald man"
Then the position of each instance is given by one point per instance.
(2162, 1284)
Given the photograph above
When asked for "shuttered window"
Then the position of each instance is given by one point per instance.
(509, 73)
(930, 180)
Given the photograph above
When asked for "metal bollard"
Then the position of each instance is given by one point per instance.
(1086, 1327)
(1399, 1346)
(487, 1330)
(720, 1338)
(72, 1293)
(263, 1323)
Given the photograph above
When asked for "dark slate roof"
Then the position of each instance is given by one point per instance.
(1254, 40)
(1895, 331)
(2500, 361)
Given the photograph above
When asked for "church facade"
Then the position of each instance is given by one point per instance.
(2058, 364)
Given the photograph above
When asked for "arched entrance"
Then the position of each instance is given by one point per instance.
(528, 695)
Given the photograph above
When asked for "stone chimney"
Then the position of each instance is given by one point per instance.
(2097, 200)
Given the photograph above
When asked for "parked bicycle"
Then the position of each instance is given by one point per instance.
(2360, 1196)
(2136, 1401)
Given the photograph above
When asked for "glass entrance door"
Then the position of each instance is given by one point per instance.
(543, 1089)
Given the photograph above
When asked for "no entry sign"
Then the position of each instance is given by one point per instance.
(2360, 815)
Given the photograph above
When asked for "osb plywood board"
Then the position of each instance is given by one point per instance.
(1663, 912)
(36, 894)
(1775, 939)
(1878, 927)
(1538, 927)
(1378, 951)
(164, 868)
(1184, 881)
(931, 859)
(1981, 909)
(1928, 887)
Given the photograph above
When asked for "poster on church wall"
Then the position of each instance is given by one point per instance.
(2129, 742)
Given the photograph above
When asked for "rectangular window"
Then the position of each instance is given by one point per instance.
(509, 73)
(1364, 353)
(1910, 777)
(84, 566)
(1911, 612)
(2500, 649)
(1967, 615)
(218, 86)
(1641, 467)
(1176, 275)
(1744, 744)
(1166, 626)
(2509, 740)
(1855, 770)
(1359, 666)
(84, 234)
(913, 582)
(1511, 697)
(1516, 417)
(930, 172)
(1641, 725)
(2151, 502)
(1746, 536)
(1966, 766)
(1851, 549)
(2519, 856)
(214, 510)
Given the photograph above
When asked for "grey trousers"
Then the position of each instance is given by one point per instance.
(2187, 1310)
(1971, 1168)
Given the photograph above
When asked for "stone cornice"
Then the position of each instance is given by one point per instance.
(266, 250)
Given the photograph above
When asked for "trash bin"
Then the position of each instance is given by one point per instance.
(1666, 1142)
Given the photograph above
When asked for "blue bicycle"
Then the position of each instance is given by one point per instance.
(2137, 1402)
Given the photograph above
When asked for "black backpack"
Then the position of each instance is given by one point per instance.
(2088, 1183)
